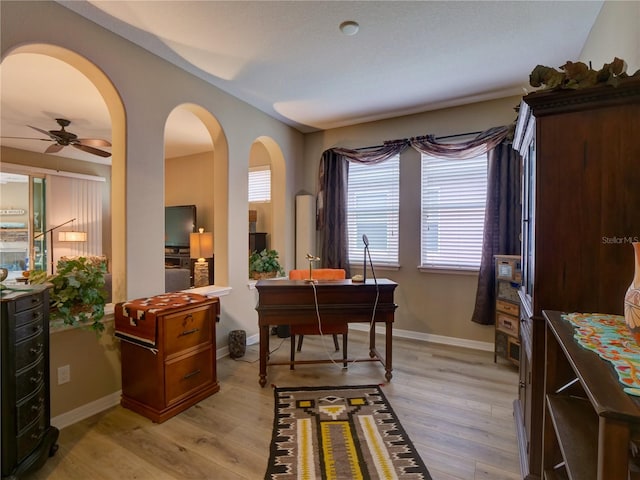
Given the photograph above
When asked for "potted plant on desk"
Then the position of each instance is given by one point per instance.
(264, 264)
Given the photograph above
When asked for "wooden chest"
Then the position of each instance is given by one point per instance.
(176, 368)
(28, 438)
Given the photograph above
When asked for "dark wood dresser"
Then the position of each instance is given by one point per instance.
(28, 438)
(581, 194)
(169, 364)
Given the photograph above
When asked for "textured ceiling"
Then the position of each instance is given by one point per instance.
(290, 60)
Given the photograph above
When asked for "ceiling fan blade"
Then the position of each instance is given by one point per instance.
(88, 149)
(30, 138)
(48, 134)
(53, 148)
(93, 142)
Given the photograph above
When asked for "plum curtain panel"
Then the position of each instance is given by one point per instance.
(501, 224)
(331, 216)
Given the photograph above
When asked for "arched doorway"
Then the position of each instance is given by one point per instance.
(265, 150)
(199, 175)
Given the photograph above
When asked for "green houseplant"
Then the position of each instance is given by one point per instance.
(264, 264)
(77, 294)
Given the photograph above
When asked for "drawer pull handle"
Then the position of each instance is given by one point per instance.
(192, 374)
(38, 407)
(37, 351)
(37, 379)
(37, 329)
(188, 332)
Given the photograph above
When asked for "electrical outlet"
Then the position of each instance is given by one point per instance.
(64, 374)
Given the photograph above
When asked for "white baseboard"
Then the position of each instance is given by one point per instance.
(87, 410)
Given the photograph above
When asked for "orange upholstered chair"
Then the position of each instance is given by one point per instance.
(302, 330)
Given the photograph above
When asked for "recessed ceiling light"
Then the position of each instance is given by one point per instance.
(349, 27)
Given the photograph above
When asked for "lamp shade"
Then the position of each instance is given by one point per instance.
(201, 245)
(72, 236)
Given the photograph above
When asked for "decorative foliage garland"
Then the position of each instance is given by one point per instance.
(576, 75)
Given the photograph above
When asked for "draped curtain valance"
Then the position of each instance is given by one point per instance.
(428, 144)
(333, 190)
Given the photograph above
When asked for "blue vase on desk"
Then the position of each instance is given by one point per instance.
(632, 298)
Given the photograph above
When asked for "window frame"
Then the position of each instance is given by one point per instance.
(462, 176)
(388, 257)
(261, 184)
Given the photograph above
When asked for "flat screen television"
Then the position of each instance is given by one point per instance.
(179, 222)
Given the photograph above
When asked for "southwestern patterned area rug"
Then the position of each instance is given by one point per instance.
(339, 433)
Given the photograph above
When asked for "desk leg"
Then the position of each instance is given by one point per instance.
(372, 341)
(264, 352)
(388, 350)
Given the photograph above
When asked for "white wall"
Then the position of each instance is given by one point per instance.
(616, 33)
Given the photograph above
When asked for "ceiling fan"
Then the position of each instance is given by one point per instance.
(63, 138)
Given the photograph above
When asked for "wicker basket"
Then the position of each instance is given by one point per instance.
(263, 275)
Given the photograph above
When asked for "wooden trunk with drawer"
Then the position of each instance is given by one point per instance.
(162, 381)
(28, 438)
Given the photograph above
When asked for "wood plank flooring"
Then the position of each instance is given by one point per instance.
(454, 403)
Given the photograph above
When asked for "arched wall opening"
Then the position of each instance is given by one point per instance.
(116, 110)
(266, 148)
(213, 206)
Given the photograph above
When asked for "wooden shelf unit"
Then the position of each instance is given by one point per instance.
(507, 327)
(588, 418)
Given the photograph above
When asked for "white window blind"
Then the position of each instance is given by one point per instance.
(260, 184)
(453, 203)
(69, 198)
(373, 207)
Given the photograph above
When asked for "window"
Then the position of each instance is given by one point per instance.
(453, 203)
(373, 210)
(260, 184)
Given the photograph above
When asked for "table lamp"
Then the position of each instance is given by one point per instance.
(311, 258)
(201, 247)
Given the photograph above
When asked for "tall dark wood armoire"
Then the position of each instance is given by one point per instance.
(581, 211)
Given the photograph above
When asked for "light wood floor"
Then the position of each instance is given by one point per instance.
(454, 403)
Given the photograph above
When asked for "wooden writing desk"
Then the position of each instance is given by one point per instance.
(292, 302)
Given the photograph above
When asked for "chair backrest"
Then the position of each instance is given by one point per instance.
(319, 274)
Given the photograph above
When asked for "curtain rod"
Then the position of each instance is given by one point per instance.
(444, 137)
